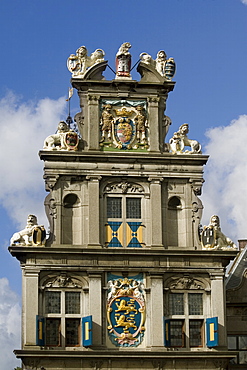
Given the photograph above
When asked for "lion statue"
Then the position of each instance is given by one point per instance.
(23, 237)
(180, 140)
(57, 140)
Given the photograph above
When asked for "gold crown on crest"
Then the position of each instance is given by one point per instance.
(123, 112)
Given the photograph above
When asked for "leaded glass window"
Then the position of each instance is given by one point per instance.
(184, 312)
(177, 333)
(72, 302)
(195, 304)
(62, 317)
(114, 207)
(52, 302)
(176, 304)
(53, 332)
(133, 207)
(72, 332)
(195, 333)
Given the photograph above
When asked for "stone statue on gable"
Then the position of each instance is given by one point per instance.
(63, 139)
(123, 61)
(32, 234)
(165, 67)
(181, 140)
(212, 238)
(79, 63)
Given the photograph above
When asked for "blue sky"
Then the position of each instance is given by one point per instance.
(207, 39)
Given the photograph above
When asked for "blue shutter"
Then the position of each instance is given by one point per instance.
(167, 333)
(40, 331)
(212, 331)
(87, 333)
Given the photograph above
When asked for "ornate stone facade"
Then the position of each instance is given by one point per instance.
(122, 280)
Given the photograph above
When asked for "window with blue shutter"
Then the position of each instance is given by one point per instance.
(212, 331)
(40, 331)
(167, 333)
(87, 333)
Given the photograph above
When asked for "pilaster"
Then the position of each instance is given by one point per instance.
(95, 306)
(157, 311)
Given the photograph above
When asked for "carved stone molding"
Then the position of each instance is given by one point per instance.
(123, 187)
(185, 283)
(50, 181)
(62, 281)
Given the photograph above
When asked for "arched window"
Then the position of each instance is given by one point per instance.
(71, 228)
(174, 221)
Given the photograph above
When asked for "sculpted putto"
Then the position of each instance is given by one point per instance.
(180, 140)
(78, 63)
(64, 139)
(26, 236)
(213, 238)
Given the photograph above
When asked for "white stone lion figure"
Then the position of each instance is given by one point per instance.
(79, 63)
(57, 141)
(221, 242)
(180, 140)
(23, 237)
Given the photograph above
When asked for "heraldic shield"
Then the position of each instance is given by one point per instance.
(39, 235)
(126, 311)
(208, 237)
(124, 131)
(71, 140)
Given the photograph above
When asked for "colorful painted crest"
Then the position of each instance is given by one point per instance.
(126, 312)
(208, 237)
(71, 140)
(124, 124)
(124, 132)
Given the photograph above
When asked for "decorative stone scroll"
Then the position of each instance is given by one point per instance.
(180, 140)
(33, 234)
(212, 238)
(126, 310)
(63, 139)
(124, 124)
(79, 63)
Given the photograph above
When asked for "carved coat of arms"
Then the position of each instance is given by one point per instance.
(125, 312)
(124, 124)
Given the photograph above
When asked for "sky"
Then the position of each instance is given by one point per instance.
(207, 39)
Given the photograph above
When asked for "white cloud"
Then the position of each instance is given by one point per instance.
(225, 190)
(244, 2)
(23, 128)
(10, 325)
